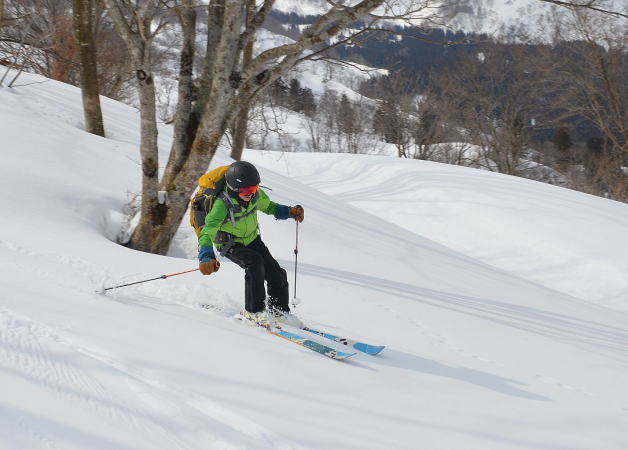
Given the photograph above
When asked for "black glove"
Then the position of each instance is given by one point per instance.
(297, 213)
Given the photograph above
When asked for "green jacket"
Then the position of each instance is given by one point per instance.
(246, 228)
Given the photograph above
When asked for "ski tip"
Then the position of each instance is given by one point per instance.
(341, 356)
(369, 349)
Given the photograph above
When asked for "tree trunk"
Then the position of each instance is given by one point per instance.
(83, 14)
(242, 120)
(217, 92)
(239, 133)
(184, 127)
(159, 222)
(157, 237)
(153, 213)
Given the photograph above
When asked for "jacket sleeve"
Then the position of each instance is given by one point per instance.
(267, 206)
(206, 253)
(213, 221)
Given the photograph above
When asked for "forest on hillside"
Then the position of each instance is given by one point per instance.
(552, 108)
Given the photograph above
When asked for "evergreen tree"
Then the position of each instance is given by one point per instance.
(294, 91)
(426, 132)
(279, 91)
(563, 143)
(347, 122)
(595, 145)
(297, 98)
(307, 102)
(562, 140)
(379, 119)
(388, 121)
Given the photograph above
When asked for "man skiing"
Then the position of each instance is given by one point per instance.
(232, 227)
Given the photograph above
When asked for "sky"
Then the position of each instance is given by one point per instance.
(502, 303)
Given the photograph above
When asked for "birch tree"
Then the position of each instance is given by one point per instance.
(226, 87)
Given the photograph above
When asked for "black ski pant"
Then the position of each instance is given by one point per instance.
(259, 266)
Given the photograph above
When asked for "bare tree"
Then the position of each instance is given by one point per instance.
(225, 89)
(324, 124)
(590, 81)
(38, 36)
(83, 12)
(600, 174)
(495, 100)
(115, 76)
(592, 77)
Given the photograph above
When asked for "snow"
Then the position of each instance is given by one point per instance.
(456, 206)
(498, 18)
(514, 19)
(502, 302)
(303, 8)
(319, 75)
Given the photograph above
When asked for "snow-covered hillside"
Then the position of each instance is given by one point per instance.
(546, 234)
(479, 16)
(501, 302)
(498, 18)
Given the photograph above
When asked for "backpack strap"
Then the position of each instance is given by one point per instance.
(231, 208)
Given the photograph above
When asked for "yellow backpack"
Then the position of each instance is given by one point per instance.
(210, 186)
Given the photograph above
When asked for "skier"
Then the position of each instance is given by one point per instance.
(234, 231)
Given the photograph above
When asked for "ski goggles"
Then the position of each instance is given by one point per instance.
(248, 190)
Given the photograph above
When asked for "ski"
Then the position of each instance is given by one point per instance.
(302, 341)
(307, 343)
(360, 346)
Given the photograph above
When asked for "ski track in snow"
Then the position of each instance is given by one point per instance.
(168, 397)
(58, 364)
(64, 272)
(36, 353)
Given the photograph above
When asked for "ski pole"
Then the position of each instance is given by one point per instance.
(296, 257)
(150, 279)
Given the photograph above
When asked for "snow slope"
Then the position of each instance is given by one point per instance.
(565, 240)
(483, 350)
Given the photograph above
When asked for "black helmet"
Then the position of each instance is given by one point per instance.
(241, 174)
